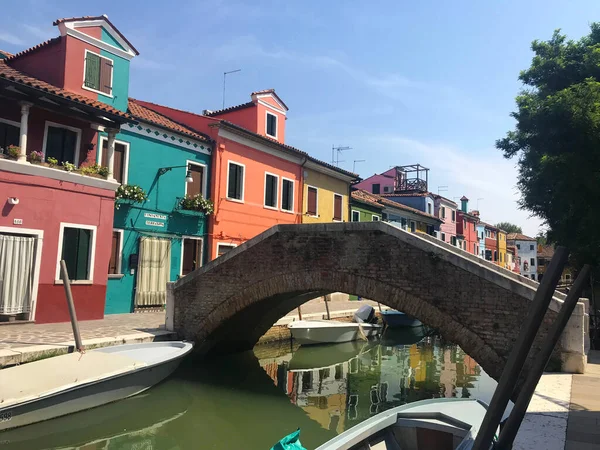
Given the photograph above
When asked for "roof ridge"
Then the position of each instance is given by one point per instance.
(33, 49)
(229, 109)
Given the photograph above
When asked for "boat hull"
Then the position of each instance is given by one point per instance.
(397, 319)
(86, 396)
(307, 334)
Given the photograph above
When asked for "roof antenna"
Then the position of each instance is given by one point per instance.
(224, 78)
(442, 189)
(336, 161)
(354, 164)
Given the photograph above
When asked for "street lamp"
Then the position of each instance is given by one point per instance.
(188, 174)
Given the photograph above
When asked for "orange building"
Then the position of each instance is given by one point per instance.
(257, 180)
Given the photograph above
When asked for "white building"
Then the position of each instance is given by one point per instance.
(526, 254)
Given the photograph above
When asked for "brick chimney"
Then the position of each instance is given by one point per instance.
(464, 204)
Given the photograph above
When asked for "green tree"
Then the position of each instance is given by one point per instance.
(509, 227)
(557, 140)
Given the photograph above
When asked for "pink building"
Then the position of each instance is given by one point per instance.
(445, 210)
(379, 184)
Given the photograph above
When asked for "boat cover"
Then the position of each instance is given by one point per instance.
(290, 442)
(365, 314)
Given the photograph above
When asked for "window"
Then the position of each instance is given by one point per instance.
(114, 265)
(453, 239)
(403, 223)
(271, 185)
(191, 257)
(474, 227)
(444, 237)
(376, 188)
(312, 201)
(430, 230)
(235, 182)
(61, 143)
(443, 212)
(475, 249)
(77, 245)
(271, 125)
(224, 248)
(98, 73)
(532, 262)
(375, 218)
(197, 185)
(413, 226)
(495, 255)
(533, 276)
(120, 156)
(518, 246)
(9, 135)
(337, 207)
(464, 223)
(287, 195)
(355, 216)
(531, 247)
(453, 216)
(428, 208)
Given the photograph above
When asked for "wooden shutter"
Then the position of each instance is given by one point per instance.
(271, 191)
(195, 187)
(312, 201)
(119, 160)
(337, 207)
(190, 256)
(236, 175)
(113, 265)
(92, 71)
(106, 68)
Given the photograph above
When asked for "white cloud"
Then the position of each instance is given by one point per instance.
(11, 39)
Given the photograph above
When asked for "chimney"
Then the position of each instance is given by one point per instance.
(464, 204)
(475, 213)
(206, 111)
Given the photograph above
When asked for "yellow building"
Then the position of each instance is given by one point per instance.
(502, 261)
(325, 193)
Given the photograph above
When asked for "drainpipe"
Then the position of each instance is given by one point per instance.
(23, 137)
(301, 213)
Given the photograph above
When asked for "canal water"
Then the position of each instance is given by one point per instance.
(251, 400)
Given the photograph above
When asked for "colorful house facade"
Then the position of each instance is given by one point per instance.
(466, 228)
(364, 207)
(481, 237)
(501, 245)
(445, 209)
(527, 253)
(56, 96)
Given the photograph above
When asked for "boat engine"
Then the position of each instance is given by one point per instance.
(365, 314)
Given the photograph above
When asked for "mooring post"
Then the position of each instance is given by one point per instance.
(509, 431)
(326, 298)
(521, 348)
(67, 284)
(299, 313)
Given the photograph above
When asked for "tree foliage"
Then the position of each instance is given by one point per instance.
(509, 227)
(557, 140)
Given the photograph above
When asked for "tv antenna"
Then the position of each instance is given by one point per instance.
(335, 154)
(442, 189)
(224, 79)
(480, 198)
(354, 164)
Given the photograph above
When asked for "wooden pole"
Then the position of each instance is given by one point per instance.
(327, 297)
(299, 313)
(67, 284)
(521, 348)
(511, 427)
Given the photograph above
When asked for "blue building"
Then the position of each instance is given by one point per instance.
(481, 238)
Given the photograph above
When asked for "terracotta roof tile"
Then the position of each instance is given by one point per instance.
(270, 91)
(381, 201)
(518, 237)
(102, 17)
(408, 194)
(5, 54)
(441, 197)
(35, 48)
(11, 74)
(365, 197)
(229, 109)
(545, 251)
(147, 115)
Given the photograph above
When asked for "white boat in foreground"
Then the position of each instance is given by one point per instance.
(440, 424)
(307, 332)
(75, 382)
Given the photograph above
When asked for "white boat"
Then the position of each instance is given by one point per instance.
(440, 424)
(66, 384)
(307, 332)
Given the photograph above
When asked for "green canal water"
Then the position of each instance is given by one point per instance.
(251, 400)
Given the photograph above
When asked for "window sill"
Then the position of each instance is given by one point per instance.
(73, 282)
(97, 92)
(234, 200)
(288, 212)
(115, 276)
(313, 216)
(272, 208)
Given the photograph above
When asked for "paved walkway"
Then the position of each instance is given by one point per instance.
(583, 429)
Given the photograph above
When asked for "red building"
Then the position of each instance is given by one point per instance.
(52, 211)
(466, 228)
(491, 243)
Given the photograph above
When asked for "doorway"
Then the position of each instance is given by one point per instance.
(191, 254)
(153, 272)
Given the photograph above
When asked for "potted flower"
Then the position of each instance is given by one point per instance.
(196, 203)
(52, 162)
(13, 151)
(129, 193)
(35, 157)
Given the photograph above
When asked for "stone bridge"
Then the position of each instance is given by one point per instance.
(229, 303)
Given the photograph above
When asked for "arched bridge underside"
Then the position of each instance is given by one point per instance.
(230, 302)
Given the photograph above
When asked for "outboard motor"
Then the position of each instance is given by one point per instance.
(365, 314)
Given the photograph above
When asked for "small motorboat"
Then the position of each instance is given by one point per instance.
(309, 332)
(440, 424)
(70, 383)
(396, 319)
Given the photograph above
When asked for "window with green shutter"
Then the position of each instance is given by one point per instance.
(76, 251)
(92, 71)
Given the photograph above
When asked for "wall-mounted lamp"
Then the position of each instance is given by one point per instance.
(13, 200)
(188, 174)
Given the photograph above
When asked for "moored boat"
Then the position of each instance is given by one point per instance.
(441, 424)
(66, 384)
(397, 319)
(309, 332)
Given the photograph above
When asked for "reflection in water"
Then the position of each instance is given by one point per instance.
(247, 401)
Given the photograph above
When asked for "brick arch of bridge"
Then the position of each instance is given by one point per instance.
(227, 304)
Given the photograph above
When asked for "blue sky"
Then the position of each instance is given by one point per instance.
(399, 82)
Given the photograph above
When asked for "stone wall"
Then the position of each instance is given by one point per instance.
(232, 301)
